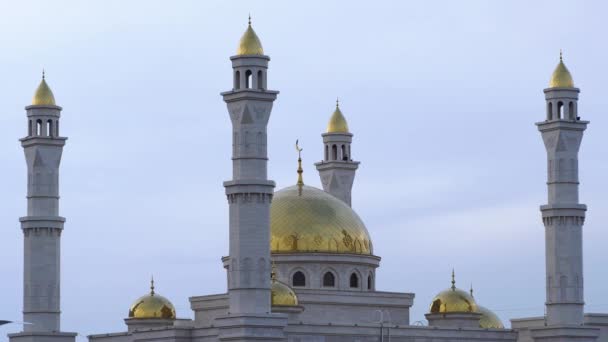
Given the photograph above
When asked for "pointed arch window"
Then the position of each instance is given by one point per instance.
(354, 280)
(298, 279)
(329, 279)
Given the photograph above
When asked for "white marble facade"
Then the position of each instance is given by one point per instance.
(332, 274)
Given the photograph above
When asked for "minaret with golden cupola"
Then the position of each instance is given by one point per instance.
(42, 226)
(249, 196)
(337, 169)
(563, 215)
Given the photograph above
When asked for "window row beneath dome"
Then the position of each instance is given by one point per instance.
(329, 279)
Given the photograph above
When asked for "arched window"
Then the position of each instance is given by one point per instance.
(329, 280)
(334, 152)
(369, 282)
(550, 111)
(237, 80)
(354, 280)
(298, 279)
(326, 152)
(29, 128)
(49, 128)
(260, 79)
(560, 110)
(344, 154)
(571, 115)
(38, 127)
(248, 76)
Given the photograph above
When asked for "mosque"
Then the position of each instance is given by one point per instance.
(301, 265)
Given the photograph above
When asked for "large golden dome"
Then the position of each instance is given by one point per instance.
(489, 320)
(306, 219)
(152, 306)
(250, 43)
(561, 77)
(43, 95)
(337, 122)
(453, 300)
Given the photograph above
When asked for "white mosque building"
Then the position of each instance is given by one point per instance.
(301, 265)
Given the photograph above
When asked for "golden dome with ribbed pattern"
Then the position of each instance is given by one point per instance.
(561, 77)
(250, 44)
(43, 95)
(152, 306)
(304, 219)
(337, 122)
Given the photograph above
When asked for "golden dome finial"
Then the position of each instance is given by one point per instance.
(561, 77)
(453, 280)
(250, 43)
(152, 286)
(300, 170)
(337, 122)
(471, 290)
(43, 95)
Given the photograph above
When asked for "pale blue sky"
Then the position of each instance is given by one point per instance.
(442, 97)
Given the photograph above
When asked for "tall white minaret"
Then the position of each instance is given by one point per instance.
(249, 195)
(563, 215)
(337, 169)
(42, 226)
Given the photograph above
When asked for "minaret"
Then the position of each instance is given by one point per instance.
(42, 226)
(249, 192)
(337, 169)
(563, 216)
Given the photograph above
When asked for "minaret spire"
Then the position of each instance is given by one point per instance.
(152, 286)
(42, 226)
(249, 195)
(563, 215)
(300, 170)
(453, 280)
(337, 169)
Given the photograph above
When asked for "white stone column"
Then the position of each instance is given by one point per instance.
(42, 229)
(249, 193)
(563, 215)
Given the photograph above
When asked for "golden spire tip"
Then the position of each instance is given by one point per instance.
(453, 280)
(43, 73)
(337, 102)
(300, 170)
(560, 55)
(471, 291)
(249, 19)
(152, 285)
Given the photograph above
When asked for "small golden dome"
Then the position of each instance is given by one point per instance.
(43, 95)
(561, 77)
(152, 306)
(306, 219)
(489, 320)
(250, 43)
(337, 122)
(282, 294)
(453, 300)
